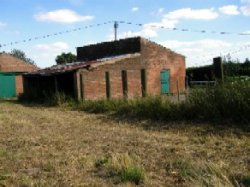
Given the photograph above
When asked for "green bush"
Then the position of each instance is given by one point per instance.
(230, 102)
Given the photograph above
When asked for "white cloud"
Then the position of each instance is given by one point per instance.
(199, 52)
(2, 24)
(57, 46)
(62, 16)
(245, 33)
(192, 14)
(147, 32)
(135, 9)
(229, 10)
(170, 20)
(204, 44)
(245, 10)
(45, 54)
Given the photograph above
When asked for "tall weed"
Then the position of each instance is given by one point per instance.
(229, 102)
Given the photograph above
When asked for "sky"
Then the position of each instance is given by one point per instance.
(198, 29)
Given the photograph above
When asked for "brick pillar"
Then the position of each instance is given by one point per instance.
(77, 85)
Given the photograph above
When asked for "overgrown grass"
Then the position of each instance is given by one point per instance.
(227, 103)
(230, 102)
(121, 167)
(201, 173)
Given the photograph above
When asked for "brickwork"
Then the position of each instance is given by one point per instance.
(160, 58)
(152, 57)
(94, 82)
(145, 59)
(19, 84)
(9, 63)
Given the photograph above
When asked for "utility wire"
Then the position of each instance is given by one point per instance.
(121, 22)
(222, 53)
(140, 25)
(54, 34)
(158, 26)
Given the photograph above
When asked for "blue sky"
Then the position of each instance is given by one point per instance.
(24, 19)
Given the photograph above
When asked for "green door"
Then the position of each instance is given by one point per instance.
(165, 81)
(7, 85)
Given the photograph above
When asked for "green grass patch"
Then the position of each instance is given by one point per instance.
(133, 174)
(120, 167)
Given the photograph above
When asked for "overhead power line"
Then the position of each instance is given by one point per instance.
(159, 26)
(54, 34)
(156, 26)
(209, 57)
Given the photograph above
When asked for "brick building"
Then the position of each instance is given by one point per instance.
(11, 70)
(130, 68)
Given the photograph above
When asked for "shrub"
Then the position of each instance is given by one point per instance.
(229, 102)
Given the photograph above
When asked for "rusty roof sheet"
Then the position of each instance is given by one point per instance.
(58, 69)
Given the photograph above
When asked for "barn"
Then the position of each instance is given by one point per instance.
(131, 67)
(11, 70)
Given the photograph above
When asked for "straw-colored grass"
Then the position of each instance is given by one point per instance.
(42, 146)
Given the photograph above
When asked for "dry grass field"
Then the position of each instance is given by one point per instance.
(49, 146)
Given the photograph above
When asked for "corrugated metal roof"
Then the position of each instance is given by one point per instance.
(58, 69)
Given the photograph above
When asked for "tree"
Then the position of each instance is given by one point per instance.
(21, 55)
(65, 58)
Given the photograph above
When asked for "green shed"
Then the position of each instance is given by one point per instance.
(11, 80)
(7, 85)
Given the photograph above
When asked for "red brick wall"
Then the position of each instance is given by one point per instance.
(94, 82)
(19, 84)
(9, 63)
(158, 59)
(153, 58)
(134, 83)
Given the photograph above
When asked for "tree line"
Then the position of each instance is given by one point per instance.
(231, 68)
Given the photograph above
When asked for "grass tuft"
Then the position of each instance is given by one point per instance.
(133, 174)
(121, 166)
(204, 173)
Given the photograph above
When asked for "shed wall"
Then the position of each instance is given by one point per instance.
(94, 83)
(19, 84)
(153, 58)
(160, 58)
